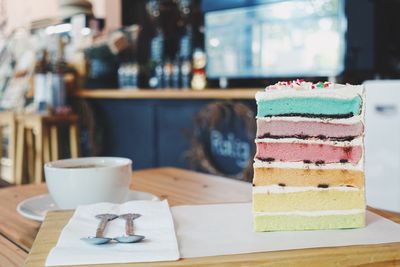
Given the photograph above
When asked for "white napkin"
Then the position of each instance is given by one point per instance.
(224, 229)
(155, 223)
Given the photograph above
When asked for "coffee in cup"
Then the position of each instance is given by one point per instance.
(80, 181)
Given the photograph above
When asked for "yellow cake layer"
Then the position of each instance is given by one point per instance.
(308, 177)
(297, 222)
(309, 200)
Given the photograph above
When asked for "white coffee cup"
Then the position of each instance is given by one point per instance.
(80, 181)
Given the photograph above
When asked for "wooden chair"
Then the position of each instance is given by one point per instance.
(44, 129)
(7, 121)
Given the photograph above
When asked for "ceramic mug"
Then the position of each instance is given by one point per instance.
(80, 181)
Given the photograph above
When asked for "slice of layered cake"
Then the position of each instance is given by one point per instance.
(308, 169)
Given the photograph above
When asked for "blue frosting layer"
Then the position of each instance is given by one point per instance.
(310, 106)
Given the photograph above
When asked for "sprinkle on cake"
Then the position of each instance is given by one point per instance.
(308, 169)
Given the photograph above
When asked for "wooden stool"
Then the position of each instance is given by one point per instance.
(45, 131)
(7, 120)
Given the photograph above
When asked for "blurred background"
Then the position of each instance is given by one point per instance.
(172, 82)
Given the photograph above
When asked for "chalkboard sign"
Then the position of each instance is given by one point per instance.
(223, 140)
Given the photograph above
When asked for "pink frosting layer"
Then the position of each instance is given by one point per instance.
(294, 152)
(307, 129)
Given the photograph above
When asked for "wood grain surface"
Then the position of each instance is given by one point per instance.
(12, 225)
(176, 185)
(186, 187)
(168, 94)
(387, 254)
(11, 254)
(371, 255)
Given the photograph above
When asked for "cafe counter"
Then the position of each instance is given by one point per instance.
(155, 127)
(168, 94)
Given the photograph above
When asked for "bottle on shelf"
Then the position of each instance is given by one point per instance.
(167, 74)
(122, 76)
(40, 81)
(186, 73)
(128, 75)
(185, 55)
(176, 70)
(134, 71)
(185, 44)
(57, 99)
(156, 60)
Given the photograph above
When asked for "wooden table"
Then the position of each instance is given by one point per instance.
(179, 187)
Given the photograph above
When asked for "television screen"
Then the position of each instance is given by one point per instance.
(276, 39)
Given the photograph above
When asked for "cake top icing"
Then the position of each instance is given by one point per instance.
(301, 84)
(301, 88)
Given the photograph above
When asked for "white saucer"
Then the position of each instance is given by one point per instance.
(35, 208)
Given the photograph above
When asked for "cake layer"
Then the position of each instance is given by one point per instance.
(308, 129)
(352, 120)
(297, 222)
(308, 177)
(301, 165)
(305, 89)
(310, 107)
(316, 213)
(319, 153)
(310, 200)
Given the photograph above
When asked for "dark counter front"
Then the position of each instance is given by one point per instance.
(154, 128)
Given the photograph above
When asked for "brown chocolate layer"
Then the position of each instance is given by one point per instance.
(305, 115)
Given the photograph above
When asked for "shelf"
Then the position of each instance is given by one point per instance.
(167, 94)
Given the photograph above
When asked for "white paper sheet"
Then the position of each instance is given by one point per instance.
(155, 223)
(224, 229)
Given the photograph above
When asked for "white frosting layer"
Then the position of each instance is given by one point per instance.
(355, 142)
(352, 120)
(311, 213)
(336, 91)
(302, 165)
(276, 189)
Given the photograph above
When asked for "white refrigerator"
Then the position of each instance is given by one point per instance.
(382, 144)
